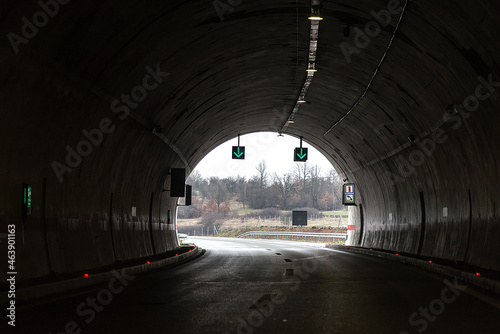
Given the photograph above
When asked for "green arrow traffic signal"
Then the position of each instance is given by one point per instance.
(238, 152)
(300, 154)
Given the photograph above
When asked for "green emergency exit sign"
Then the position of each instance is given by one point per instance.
(26, 200)
(27, 196)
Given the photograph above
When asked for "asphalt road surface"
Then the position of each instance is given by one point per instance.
(264, 286)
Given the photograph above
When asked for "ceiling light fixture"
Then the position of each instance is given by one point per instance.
(314, 17)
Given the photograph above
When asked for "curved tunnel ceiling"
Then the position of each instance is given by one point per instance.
(242, 71)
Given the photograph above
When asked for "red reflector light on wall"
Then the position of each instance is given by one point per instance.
(86, 275)
(371, 249)
(397, 254)
(430, 261)
(176, 254)
(147, 262)
(478, 274)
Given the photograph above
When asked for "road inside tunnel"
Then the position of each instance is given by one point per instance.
(247, 286)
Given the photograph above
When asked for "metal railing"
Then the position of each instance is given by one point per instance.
(299, 236)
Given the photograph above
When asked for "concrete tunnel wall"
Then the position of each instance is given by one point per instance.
(84, 220)
(66, 78)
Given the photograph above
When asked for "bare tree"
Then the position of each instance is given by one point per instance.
(241, 185)
(314, 185)
(262, 169)
(336, 185)
(218, 191)
(257, 187)
(301, 174)
(195, 179)
(284, 187)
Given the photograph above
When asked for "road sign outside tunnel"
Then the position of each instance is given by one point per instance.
(299, 218)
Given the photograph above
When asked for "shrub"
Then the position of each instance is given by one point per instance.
(270, 212)
(188, 212)
(211, 219)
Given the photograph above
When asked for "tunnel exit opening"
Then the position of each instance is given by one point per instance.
(261, 190)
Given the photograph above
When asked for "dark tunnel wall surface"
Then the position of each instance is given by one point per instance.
(205, 80)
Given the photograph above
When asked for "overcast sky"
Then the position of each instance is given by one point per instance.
(276, 151)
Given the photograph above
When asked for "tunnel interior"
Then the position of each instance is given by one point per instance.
(101, 99)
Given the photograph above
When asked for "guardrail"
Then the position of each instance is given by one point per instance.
(300, 236)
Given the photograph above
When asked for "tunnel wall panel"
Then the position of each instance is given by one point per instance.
(456, 167)
(76, 244)
(77, 209)
(31, 252)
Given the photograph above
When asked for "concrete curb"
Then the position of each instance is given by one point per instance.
(471, 278)
(44, 290)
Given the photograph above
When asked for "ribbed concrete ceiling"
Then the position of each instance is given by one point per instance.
(244, 73)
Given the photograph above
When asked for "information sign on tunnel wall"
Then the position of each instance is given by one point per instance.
(348, 194)
(177, 182)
